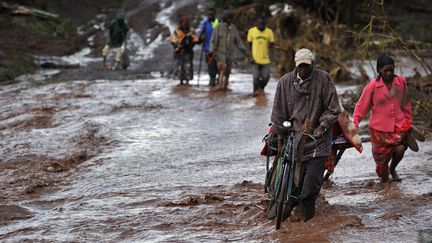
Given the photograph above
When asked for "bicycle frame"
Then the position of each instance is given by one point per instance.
(290, 148)
(283, 175)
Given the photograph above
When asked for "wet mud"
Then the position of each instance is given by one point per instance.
(130, 156)
(152, 161)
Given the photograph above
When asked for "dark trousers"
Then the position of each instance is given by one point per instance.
(261, 76)
(312, 172)
(212, 71)
(311, 178)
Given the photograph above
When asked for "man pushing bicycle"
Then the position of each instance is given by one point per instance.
(307, 98)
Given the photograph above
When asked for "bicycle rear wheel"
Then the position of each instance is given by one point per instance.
(282, 197)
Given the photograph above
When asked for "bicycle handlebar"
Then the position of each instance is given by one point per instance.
(290, 129)
(287, 126)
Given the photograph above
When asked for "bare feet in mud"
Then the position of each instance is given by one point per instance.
(220, 89)
(385, 176)
(110, 67)
(115, 66)
(258, 92)
(184, 85)
(107, 67)
(395, 176)
(384, 179)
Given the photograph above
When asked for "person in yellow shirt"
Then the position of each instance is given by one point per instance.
(261, 42)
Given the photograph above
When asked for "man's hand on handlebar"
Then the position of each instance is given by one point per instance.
(319, 132)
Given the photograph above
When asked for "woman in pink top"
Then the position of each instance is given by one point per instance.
(390, 119)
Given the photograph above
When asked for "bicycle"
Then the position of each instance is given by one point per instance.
(279, 182)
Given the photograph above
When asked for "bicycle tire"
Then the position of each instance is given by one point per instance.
(274, 180)
(282, 196)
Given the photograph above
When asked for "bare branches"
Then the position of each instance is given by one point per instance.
(380, 31)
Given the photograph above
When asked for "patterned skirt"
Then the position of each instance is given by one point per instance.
(383, 146)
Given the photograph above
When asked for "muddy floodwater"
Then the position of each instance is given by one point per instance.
(145, 160)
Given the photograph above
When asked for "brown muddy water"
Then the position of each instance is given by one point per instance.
(149, 161)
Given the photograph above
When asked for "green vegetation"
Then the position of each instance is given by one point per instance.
(62, 27)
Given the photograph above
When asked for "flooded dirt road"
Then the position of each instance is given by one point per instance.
(149, 161)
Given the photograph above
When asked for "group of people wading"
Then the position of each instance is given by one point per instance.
(306, 96)
(220, 38)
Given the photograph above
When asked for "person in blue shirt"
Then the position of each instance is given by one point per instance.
(205, 34)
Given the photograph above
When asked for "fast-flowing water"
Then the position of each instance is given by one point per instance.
(150, 161)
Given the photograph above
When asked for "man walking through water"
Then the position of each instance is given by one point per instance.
(205, 33)
(307, 97)
(225, 37)
(260, 41)
(118, 29)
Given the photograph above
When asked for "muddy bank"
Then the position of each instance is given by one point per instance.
(25, 35)
(80, 26)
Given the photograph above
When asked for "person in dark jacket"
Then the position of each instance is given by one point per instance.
(307, 97)
(222, 45)
(118, 29)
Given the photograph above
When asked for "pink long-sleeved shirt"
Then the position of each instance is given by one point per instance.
(390, 108)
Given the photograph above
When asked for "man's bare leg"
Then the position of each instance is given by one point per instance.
(222, 70)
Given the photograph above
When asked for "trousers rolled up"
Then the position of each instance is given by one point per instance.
(118, 52)
(224, 64)
(261, 76)
(212, 71)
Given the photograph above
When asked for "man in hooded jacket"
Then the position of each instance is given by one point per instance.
(117, 30)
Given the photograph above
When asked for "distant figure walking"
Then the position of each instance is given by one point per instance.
(225, 38)
(205, 33)
(260, 39)
(183, 41)
(118, 29)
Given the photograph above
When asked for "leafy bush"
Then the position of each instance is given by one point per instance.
(61, 27)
